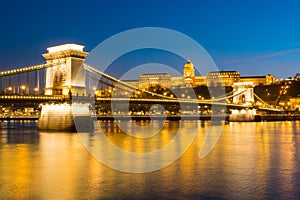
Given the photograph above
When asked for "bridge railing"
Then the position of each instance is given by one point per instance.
(31, 97)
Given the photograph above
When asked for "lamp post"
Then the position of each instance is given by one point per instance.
(36, 90)
(9, 89)
(23, 87)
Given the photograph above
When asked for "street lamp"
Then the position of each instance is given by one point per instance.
(36, 90)
(23, 87)
(9, 89)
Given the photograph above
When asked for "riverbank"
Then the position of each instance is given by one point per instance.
(274, 117)
(257, 118)
(157, 117)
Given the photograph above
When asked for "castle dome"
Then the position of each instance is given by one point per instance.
(189, 70)
(189, 65)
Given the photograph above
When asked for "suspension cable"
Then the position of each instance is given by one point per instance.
(262, 100)
(91, 69)
(29, 69)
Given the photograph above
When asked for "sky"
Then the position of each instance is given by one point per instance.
(254, 37)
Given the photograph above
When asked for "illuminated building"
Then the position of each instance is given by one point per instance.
(200, 80)
(189, 74)
(224, 78)
(162, 79)
(215, 78)
(189, 79)
(177, 81)
(259, 80)
(295, 103)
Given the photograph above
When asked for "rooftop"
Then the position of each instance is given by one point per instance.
(153, 74)
(252, 77)
(65, 47)
(223, 72)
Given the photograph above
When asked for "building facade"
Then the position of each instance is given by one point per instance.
(189, 74)
(148, 80)
(259, 80)
(189, 79)
(223, 78)
(295, 103)
(200, 81)
(177, 81)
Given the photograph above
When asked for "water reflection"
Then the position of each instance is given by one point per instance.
(142, 154)
(250, 161)
(19, 132)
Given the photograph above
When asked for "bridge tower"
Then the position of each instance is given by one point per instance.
(243, 93)
(66, 76)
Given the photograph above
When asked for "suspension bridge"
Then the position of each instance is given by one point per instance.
(65, 76)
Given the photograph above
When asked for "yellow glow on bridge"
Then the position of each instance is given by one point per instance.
(33, 97)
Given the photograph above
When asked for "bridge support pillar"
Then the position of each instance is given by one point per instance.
(66, 117)
(243, 93)
(67, 74)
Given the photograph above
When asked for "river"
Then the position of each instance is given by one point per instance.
(251, 160)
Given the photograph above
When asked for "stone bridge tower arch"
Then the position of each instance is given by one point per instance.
(243, 93)
(66, 75)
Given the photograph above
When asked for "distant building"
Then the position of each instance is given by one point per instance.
(162, 79)
(224, 78)
(177, 81)
(200, 80)
(270, 79)
(189, 79)
(189, 74)
(259, 80)
(295, 103)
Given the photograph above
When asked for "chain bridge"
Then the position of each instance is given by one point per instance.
(64, 76)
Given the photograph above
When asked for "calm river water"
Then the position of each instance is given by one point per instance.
(249, 161)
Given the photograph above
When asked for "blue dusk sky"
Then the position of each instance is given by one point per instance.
(254, 37)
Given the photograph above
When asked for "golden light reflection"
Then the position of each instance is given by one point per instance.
(139, 145)
(247, 159)
(64, 161)
(286, 142)
(18, 164)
